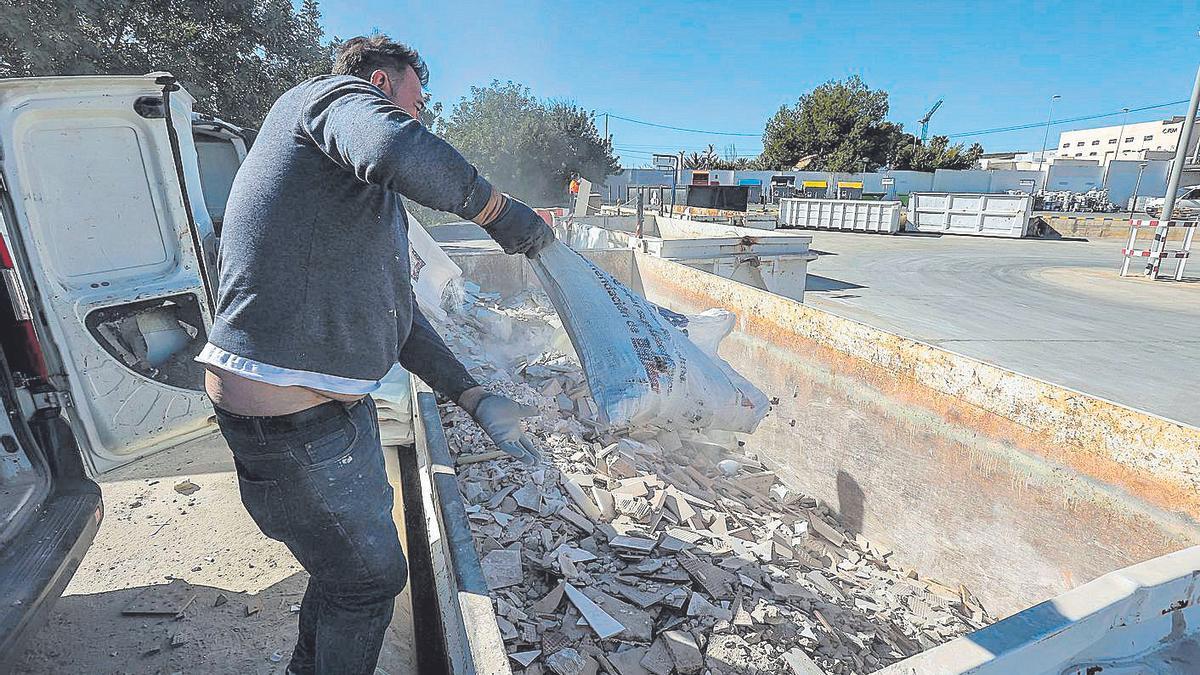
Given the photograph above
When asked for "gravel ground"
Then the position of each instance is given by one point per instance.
(153, 537)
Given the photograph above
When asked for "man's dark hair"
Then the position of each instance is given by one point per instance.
(362, 56)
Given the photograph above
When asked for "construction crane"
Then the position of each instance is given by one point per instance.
(925, 120)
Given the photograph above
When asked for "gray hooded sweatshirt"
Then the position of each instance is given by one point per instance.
(314, 270)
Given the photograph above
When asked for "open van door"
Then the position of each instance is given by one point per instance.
(106, 258)
(112, 224)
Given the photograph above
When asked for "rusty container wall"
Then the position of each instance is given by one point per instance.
(1018, 503)
(961, 493)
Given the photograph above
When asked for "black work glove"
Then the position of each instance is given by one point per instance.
(500, 419)
(519, 230)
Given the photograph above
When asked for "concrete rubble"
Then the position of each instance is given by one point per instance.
(633, 551)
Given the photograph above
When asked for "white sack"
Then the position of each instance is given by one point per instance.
(641, 369)
(432, 271)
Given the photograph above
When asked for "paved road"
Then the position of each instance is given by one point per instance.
(1055, 310)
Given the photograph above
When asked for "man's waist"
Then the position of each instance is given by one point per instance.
(248, 387)
(287, 423)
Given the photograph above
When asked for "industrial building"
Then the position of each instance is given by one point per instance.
(1139, 140)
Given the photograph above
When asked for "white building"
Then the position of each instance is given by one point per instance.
(1019, 161)
(1138, 140)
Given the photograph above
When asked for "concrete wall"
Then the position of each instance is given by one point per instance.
(1003, 181)
(1063, 175)
(1122, 177)
(950, 180)
(1074, 178)
(912, 181)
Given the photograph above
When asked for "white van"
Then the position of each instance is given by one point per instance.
(111, 195)
(1187, 203)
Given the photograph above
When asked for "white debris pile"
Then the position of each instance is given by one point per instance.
(638, 551)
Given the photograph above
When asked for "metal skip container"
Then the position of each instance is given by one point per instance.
(840, 214)
(772, 261)
(988, 215)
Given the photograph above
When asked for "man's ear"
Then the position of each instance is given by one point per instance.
(379, 78)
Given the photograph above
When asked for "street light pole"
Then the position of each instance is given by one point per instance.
(1046, 137)
(1117, 154)
(1136, 186)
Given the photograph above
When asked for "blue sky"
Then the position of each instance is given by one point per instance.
(728, 66)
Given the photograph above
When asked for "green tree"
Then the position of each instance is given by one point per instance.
(843, 123)
(710, 161)
(526, 146)
(909, 153)
(235, 56)
(704, 161)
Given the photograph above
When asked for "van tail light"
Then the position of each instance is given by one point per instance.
(23, 313)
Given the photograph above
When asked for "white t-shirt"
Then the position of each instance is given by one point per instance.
(283, 377)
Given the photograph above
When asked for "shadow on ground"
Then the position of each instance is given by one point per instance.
(818, 284)
(218, 631)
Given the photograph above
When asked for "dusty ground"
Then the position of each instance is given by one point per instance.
(155, 540)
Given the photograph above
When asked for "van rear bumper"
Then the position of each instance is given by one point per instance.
(36, 566)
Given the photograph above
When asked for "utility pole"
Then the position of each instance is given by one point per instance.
(1181, 148)
(1046, 137)
(606, 127)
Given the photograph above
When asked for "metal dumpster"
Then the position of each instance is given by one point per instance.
(773, 261)
(1019, 489)
(850, 215)
(989, 215)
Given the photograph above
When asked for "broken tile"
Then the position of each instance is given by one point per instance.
(658, 658)
(716, 582)
(698, 605)
(730, 553)
(566, 661)
(629, 661)
(800, 663)
(599, 620)
(638, 624)
(576, 518)
(606, 502)
(501, 568)
(581, 500)
(759, 483)
(825, 585)
(528, 497)
(684, 651)
(638, 544)
(642, 598)
(825, 530)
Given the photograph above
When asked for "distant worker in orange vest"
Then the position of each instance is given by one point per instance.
(573, 188)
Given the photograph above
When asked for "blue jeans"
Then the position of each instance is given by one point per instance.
(315, 480)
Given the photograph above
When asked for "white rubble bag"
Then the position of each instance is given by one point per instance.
(432, 272)
(642, 370)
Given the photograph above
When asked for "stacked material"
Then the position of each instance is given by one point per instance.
(634, 551)
(1093, 201)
